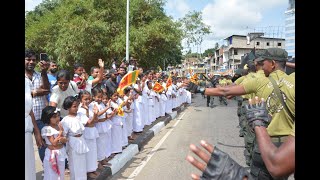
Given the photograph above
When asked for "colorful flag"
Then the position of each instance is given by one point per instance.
(120, 110)
(194, 79)
(158, 87)
(169, 82)
(127, 80)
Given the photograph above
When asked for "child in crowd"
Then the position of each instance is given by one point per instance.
(90, 132)
(110, 113)
(55, 153)
(103, 127)
(128, 92)
(117, 125)
(76, 145)
(124, 105)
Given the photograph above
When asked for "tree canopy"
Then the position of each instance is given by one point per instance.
(83, 31)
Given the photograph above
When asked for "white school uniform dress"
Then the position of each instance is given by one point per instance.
(58, 156)
(76, 147)
(29, 158)
(150, 107)
(129, 118)
(157, 105)
(90, 134)
(146, 113)
(163, 100)
(124, 137)
(102, 128)
(180, 92)
(169, 101)
(116, 131)
(108, 134)
(174, 100)
(138, 122)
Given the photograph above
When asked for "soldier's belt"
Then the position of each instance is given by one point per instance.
(278, 138)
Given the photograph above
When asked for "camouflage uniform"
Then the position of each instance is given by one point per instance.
(281, 124)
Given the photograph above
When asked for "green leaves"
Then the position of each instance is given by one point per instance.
(83, 31)
(193, 28)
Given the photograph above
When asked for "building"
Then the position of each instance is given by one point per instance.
(229, 56)
(290, 29)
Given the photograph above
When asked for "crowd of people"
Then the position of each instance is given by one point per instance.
(81, 121)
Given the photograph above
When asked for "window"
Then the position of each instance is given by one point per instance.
(279, 44)
(268, 44)
(258, 43)
(235, 51)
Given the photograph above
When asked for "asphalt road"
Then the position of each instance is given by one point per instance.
(164, 156)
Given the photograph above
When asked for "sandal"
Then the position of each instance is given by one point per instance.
(92, 175)
(100, 166)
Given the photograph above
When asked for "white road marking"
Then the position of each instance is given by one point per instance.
(153, 151)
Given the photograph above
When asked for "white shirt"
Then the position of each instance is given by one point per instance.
(58, 96)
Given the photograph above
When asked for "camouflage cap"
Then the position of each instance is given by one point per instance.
(276, 54)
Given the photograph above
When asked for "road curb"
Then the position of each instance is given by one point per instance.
(142, 139)
(121, 159)
(173, 114)
(156, 128)
(135, 147)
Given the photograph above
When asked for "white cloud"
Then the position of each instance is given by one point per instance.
(177, 8)
(234, 17)
(31, 4)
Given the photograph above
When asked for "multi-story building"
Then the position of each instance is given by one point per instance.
(229, 56)
(290, 29)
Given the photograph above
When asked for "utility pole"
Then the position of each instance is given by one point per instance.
(127, 33)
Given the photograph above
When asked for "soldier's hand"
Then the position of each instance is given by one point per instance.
(203, 155)
(257, 113)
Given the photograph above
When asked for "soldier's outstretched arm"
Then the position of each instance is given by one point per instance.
(225, 91)
(280, 162)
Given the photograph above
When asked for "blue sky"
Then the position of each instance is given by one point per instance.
(226, 17)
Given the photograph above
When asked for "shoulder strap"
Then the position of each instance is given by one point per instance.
(277, 91)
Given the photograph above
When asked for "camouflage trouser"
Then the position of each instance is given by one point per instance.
(248, 134)
(223, 100)
(258, 170)
(239, 99)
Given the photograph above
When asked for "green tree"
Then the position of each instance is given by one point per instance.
(83, 31)
(209, 52)
(194, 28)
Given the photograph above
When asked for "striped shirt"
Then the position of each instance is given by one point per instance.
(39, 102)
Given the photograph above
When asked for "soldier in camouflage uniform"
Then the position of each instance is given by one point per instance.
(254, 72)
(281, 125)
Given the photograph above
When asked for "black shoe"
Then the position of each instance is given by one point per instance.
(207, 105)
(241, 134)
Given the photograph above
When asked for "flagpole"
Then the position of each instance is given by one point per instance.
(127, 33)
